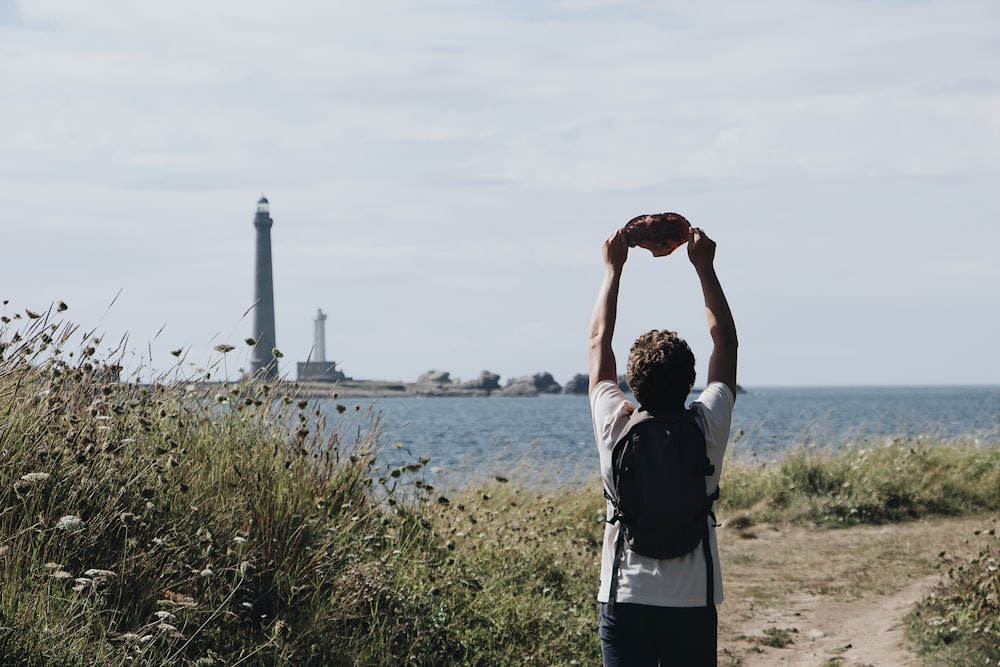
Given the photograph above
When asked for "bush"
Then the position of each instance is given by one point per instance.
(959, 624)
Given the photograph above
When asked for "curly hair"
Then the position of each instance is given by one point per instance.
(660, 370)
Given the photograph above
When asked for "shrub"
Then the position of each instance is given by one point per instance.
(959, 624)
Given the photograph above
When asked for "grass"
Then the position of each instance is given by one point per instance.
(898, 480)
(150, 524)
(960, 623)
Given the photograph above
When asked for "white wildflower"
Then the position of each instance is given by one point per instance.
(164, 616)
(35, 476)
(61, 574)
(70, 523)
(96, 573)
(207, 574)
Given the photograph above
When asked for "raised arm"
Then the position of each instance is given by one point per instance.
(602, 321)
(722, 363)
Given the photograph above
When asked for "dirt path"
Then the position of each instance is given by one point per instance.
(830, 598)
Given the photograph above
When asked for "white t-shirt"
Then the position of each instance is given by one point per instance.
(673, 582)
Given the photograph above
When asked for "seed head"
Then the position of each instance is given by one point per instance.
(70, 523)
(95, 573)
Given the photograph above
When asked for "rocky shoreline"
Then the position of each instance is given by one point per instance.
(440, 383)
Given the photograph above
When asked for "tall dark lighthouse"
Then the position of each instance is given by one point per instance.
(263, 363)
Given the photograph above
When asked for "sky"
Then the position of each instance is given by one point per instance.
(442, 174)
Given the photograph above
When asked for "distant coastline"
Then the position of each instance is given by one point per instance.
(528, 386)
(386, 389)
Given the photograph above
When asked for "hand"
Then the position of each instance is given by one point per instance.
(615, 250)
(701, 249)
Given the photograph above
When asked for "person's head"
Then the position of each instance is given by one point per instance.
(660, 370)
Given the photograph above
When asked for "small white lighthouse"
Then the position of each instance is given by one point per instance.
(318, 369)
(319, 334)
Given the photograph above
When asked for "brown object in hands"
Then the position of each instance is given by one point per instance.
(659, 233)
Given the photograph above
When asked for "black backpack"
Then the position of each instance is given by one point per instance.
(659, 469)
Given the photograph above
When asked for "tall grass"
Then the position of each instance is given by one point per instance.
(185, 523)
(896, 480)
(959, 624)
(163, 524)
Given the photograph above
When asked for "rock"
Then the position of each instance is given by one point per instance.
(531, 385)
(486, 381)
(578, 384)
(522, 386)
(434, 377)
(660, 233)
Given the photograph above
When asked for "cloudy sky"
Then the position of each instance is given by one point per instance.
(442, 173)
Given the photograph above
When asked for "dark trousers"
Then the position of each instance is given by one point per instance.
(637, 635)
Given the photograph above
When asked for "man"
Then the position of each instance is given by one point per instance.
(660, 615)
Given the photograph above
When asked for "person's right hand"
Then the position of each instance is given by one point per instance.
(615, 250)
(701, 249)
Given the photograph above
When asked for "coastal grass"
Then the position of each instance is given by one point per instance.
(959, 624)
(898, 479)
(158, 524)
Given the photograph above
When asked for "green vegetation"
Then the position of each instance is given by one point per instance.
(960, 623)
(777, 637)
(899, 480)
(157, 524)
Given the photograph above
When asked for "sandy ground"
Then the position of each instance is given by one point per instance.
(840, 595)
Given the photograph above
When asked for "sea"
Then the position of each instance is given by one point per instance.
(550, 437)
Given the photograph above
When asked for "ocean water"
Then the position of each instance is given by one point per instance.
(552, 435)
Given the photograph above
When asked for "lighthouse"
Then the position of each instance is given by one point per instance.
(263, 363)
(317, 368)
(319, 336)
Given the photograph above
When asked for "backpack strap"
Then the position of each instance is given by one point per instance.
(611, 495)
(706, 549)
(619, 552)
